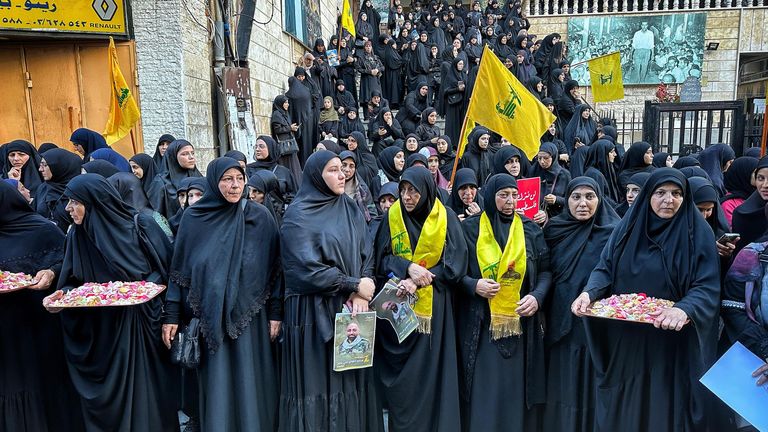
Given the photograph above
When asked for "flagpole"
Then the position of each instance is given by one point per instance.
(456, 159)
(594, 58)
(133, 142)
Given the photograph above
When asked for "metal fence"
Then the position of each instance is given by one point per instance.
(538, 8)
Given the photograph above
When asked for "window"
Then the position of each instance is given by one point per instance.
(301, 18)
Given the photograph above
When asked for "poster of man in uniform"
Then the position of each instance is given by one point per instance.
(353, 341)
(654, 48)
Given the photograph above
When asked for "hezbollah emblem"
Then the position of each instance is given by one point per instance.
(606, 78)
(510, 105)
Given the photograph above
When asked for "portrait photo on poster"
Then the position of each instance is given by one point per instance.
(397, 310)
(353, 341)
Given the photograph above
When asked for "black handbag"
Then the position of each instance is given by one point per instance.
(185, 348)
(288, 147)
(455, 98)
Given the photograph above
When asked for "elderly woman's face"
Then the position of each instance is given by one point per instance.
(506, 200)
(467, 194)
(666, 200)
(231, 185)
(76, 211)
(582, 203)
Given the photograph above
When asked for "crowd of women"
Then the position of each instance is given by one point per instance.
(264, 265)
(260, 257)
(423, 60)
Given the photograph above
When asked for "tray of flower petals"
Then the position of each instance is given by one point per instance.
(108, 294)
(629, 307)
(10, 282)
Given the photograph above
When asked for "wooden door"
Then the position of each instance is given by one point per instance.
(55, 92)
(14, 111)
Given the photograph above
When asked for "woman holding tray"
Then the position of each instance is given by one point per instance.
(647, 376)
(500, 330)
(115, 355)
(237, 298)
(328, 263)
(421, 242)
(575, 239)
(35, 391)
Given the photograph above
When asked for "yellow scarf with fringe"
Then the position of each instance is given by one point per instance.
(429, 250)
(504, 320)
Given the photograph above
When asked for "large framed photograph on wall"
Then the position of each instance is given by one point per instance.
(654, 48)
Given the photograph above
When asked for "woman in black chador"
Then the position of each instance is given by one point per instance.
(420, 241)
(179, 162)
(647, 377)
(454, 97)
(328, 265)
(115, 355)
(502, 348)
(59, 168)
(35, 391)
(575, 239)
(237, 298)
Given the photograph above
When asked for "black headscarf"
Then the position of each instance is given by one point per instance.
(476, 158)
(660, 159)
(634, 161)
(446, 159)
(44, 147)
(749, 218)
(703, 192)
(173, 172)
(148, 166)
(579, 127)
(100, 167)
(227, 292)
(89, 140)
(421, 180)
(162, 192)
(416, 157)
(506, 153)
(713, 159)
(64, 166)
(464, 177)
(273, 157)
(549, 175)
(597, 157)
(236, 155)
(686, 161)
(129, 188)
(108, 230)
(754, 152)
(738, 179)
(30, 174)
(694, 171)
(575, 250)
(28, 242)
(367, 167)
(499, 221)
(280, 115)
(168, 138)
(387, 163)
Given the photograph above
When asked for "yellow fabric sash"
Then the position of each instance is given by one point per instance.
(504, 320)
(429, 250)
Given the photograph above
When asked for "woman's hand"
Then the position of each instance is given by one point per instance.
(564, 157)
(50, 299)
(528, 306)
(540, 217)
(357, 304)
(274, 329)
(366, 288)
(42, 280)
(761, 372)
(487, 288)
(294, 127)
(421, 276)
(169, 334)
(550, 199)
(671, 319)
(473, 209)
(726, 249)
(580, 305)
(406, 286)
(14, 173)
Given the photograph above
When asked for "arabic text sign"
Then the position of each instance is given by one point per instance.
(529, 191)
(69, 16)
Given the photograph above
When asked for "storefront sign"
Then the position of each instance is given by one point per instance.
(68, 16)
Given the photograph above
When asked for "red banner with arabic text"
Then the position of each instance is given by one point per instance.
(529, 191)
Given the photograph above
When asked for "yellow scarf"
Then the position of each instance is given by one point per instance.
(504, 320)
(429, 250)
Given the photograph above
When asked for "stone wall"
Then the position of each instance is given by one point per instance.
(719, 71)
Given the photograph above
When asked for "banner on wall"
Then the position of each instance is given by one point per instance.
(66, 16)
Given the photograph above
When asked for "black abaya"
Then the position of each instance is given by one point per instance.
(392, 81)
(326, 263)
(302, 113)
(162, 190)
(647, 378)
(117, 361)
(234, 296)
(454, 99)
(36, 394)
(575, 248)
(49, 203)
(476, 158)
(419, 377)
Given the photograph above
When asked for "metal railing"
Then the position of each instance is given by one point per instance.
(538, 8)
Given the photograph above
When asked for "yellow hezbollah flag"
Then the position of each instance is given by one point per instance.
(123, 111)
(346, 18)
(465, 138)
(605, 74)
(502, 104)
